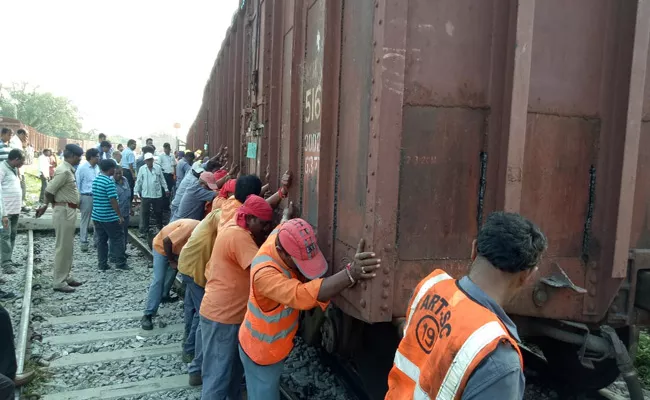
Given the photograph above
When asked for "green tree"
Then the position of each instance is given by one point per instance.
(49, 114)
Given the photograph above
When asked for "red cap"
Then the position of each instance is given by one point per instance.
(228, 187)
(220, 174)
(208, 177)
(298, 239)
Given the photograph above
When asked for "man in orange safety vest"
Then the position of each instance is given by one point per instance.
(458, 341)
(286, 278)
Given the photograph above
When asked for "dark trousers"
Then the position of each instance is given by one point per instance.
(41, 198)
(191, 305)
(8, 240)
(169, 179)
(7, 388)
(129, 177)
(125, 229)
(7, 350)
(112, 232)
(145, 213)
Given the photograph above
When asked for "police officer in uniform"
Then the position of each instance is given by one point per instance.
(62, 192)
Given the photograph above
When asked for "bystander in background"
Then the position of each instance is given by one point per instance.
(12, 200)
(44, 172)
(85, 176)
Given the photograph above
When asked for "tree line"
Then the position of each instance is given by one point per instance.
(49, 114)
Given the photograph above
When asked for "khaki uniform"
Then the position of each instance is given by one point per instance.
(64, 188)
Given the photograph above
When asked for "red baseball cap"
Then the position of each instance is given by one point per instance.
(220, 174)
(298, 239)
(208, 178)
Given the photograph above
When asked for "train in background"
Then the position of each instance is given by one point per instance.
(406, 122)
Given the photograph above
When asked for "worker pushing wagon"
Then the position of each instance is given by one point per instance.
(286, 278)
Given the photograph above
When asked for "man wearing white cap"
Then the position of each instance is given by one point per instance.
(149, 185)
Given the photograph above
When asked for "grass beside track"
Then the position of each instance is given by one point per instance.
(642, 362)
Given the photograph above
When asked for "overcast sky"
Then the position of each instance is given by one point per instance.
(132, 67)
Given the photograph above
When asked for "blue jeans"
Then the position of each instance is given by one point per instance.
(113, 232)
(222, 367)
(163, 275)
(262, 381)
(191, 305)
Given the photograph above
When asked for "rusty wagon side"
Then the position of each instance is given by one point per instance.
(407, 122)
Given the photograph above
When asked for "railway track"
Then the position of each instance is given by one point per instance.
(89, 343)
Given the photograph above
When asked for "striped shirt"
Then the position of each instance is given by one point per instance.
(12, 193)
(103, 191)
(5, 148)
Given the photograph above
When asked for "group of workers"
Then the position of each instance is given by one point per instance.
(248, 276)
(247, 279)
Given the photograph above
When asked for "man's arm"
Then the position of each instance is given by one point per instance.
(116, 208)
(276, 198)
(498, 376)
(168, 246)
(138, 185)
(163, 181)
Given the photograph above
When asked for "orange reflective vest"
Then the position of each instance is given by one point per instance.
(267, 336)
(446, 336)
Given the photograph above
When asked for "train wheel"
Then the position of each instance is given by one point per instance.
(570, 374)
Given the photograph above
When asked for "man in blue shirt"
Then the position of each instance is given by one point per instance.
(183, 167)
(189, 181)
(107, 218)
(123, 200)
(85, 176)
(192, 204)
(128, 163)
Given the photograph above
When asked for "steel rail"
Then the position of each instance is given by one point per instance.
(286, 394)
(23, 332)
(135, 240)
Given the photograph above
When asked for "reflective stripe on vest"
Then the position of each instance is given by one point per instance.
(268, 318)
(463, 359)
(482, 337)
(267, 338)
(426, 286)
(412, 371)
(258, 313)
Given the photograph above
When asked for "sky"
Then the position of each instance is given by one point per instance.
(132, 67)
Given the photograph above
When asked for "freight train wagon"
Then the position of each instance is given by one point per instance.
(407, 122)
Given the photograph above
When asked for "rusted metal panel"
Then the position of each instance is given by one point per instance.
(575, 35)
(329, 129)
(449, 37)
(240, 80)
(274, 92)
(295, 107)
(441, 150)
(354, 123)
(433, 114)
(640, 236)
(285, 132)
(312, 88)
